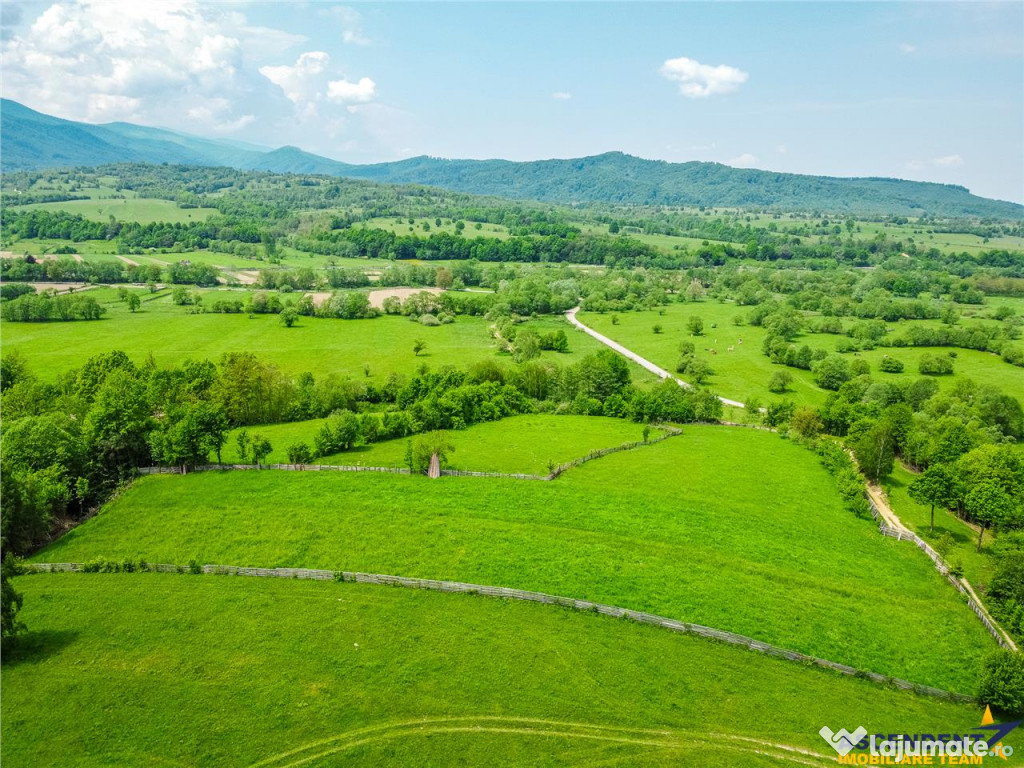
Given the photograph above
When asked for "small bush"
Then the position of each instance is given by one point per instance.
(300, 453)
(935, 365)
(780, 381)
(890, 365)
(103, 565)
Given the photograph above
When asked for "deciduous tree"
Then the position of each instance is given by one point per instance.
(936, 485)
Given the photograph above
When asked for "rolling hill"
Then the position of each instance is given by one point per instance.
(32, 140)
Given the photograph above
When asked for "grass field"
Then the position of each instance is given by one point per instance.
(687, 528)
(404, 228)
(106, 250)
(668, 243)
(141, 209)
(146, 669)
(978, 566)
(324, 346)
(947, 242)
(905, 233)
(740, 374)
(516, 444)
(745, 371)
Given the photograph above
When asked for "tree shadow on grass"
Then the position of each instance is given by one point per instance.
(895, 483)
(33, 647)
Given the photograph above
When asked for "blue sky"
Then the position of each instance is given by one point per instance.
(930, 91)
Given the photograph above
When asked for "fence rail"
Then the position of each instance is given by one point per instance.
(509, 593)
(183, 470)
(667, 432)
(943, 567)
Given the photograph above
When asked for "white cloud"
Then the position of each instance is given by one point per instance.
(125, 60)
(948, 161)
(743, 161)
(561, 95)
(698, 81)
(343, 91)
(907, 48)
(101, 105)
(351, 24)
(782, 149)
(299, 81)
(195, 66)
(215, 114)
(235, 125)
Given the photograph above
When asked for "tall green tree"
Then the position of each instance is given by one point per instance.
(936, 485)
(874, 448)
(989, 505)
(118, 423)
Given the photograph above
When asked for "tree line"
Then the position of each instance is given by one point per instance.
(68, 444)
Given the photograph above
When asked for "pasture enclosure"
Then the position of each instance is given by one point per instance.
(463, 678)
(513, 444)
(325, 346)
(694, 507)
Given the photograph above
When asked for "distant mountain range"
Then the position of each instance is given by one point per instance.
(32, 140)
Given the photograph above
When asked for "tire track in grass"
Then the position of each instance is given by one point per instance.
(537, 727)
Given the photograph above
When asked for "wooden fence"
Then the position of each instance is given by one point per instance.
(183, 470)
(536, 597)
(471, 473)
(327, 468)
(942, 567)
(667, 432)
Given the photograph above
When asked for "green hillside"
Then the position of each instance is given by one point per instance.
(619, 178)
(33, 140)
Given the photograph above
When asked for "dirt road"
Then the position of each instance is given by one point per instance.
(642, 362)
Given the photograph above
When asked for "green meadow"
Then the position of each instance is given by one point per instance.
(978, 566)
(742, 370)
(147, 669)
(517, 444)
(739, 374)
(654, 529)
(325, 346)
(403, 227)
(141, 209)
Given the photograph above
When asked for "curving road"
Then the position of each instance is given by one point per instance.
(641, 361)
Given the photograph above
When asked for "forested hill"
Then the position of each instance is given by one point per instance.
(615, 177)
(32, 140)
